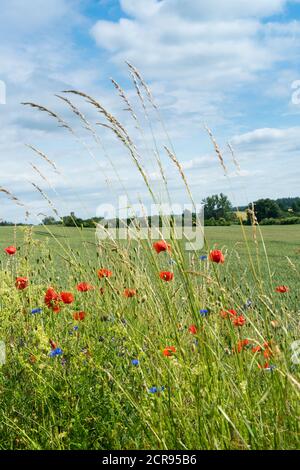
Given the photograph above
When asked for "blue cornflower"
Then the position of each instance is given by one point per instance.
(203, 258)
(75, 328)
(135, 362)
(203, 312)
(36, 310)
(55, 352)
(271, 368)
(156, 389)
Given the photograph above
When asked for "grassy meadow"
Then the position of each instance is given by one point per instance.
(163, 368)
(117, 345)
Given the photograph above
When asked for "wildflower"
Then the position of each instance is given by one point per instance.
(135, 362)
(270, 368)
(67, 297)
(267, 353)
(203, 258)
(216, 256)
(239, 321)
(52, 344)
(79, 316)
(22, 283)
(228, 313)
(84, 287)
(248, 304)
(193, 329)
(172, 261)
(267, 366)
(256, 349)
(129, 293)
(267, 350)
(75, 328)
(52, 299)
(282, 289)
(203, 312)
(169, 351)
(104, 273)
(242, 345)
(36, 310)
(166, 276)
(156, 389)
(55, 352)
(10, 250)
(161, 246)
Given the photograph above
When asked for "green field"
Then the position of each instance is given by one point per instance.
(208, 394)
(281, 242)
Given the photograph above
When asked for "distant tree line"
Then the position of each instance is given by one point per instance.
(218, 210)
(4, 223)
(284, 211)
(72, 221)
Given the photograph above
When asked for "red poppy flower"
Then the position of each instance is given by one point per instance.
(169, 351)
(256, 349)
(166, 276)
(104, 273)
(84, 287)
(52, 344)
(129, 293)
(67, 297)
(282, 289)
(239, 321)
(267, 353)
(10, 250)
(216, 256)
(79, 316)
(52, 299)
(228, 313)
(161, 246)
(266, 365)
(22, 283)
(193, 329)
(242, 344)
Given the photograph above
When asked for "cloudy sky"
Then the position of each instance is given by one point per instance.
(232, 66)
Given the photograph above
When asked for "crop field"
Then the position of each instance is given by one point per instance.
(126, 345)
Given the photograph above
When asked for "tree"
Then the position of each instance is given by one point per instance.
(49, 221)
(265, 209)
(72, 221)
(217, 207)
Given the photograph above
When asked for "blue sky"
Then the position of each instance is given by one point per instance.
(229, 65)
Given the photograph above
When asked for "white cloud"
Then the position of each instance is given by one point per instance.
(202, 58)
(286, 138)
(225, 9)
(199, 53)
(203, 9)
